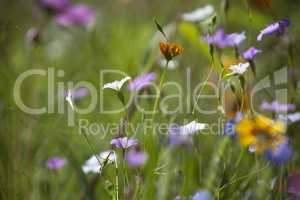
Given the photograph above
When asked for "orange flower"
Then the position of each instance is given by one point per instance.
(170, 50)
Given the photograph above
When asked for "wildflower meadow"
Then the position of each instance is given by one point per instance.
(150, 100)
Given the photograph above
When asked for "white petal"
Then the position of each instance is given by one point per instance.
(199, 14)
(239, 68)
(93, 165)
(69, 99)
(173, 64)
(116, 85)
(191, 128)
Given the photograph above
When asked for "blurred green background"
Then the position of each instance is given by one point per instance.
(122, 39)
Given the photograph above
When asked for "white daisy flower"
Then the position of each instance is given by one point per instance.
(116, 85)
(93, 165)
(199, 14)
(239, 68)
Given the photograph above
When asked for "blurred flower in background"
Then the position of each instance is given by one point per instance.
(142, 81)
(275, 106)
(229, 128)
(78, 14)
(56, 162)
(199, 14)
(67, 14)
(95, 164)
(260, 132)
(222, 40)
(79, 93)
(136, 158)
(182, 134)
(202, 195)
(280, 155)
(124, 142)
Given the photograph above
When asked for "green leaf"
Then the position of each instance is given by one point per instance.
(159, 28)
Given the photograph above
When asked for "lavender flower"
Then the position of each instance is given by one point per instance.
(124, 142)
(78, 14)
(293, 187)
(202, 195)
(235, 39)
(277, 107)
(142, 81)
(250, 53)
(136, 158)
(275, 28)
(222, 40)
(78, 93)
(56, 163)
(55, 5)
(280, 155)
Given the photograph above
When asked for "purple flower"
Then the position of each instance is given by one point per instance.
(202, 195)
(55, 5)
(142, 81)
(78, 93)
(250, 53)
(222, 40)
(275, 28)
(124, 142)
(293, 187)
(280, 155)
(78, 14)
(235, 39)
(229, 128)
(136, 158)
(56, 162)
(277, 107)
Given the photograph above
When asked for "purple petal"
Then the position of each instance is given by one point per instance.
(277, 107)
(281, 155)
(250, 53)
(124, 142)
(202, 195)
(275, 28)
(56, 163)
(136, 159)
(78, 14)
(142, 81)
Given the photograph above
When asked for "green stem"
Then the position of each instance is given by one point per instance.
(162, 80)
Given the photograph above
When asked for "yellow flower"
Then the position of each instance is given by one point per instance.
(170, 50)
(260, 132)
